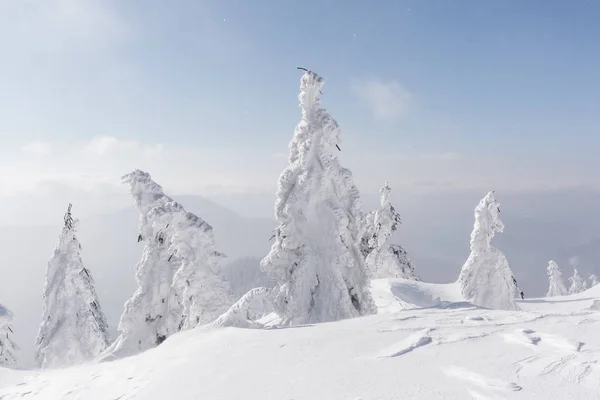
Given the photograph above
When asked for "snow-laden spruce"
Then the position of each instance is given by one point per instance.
(486, 278)
(385, 260)
(153, 313)
(179, 279)
(8, 349)
(577, 284)
(198, 282)
(556, 285)
(593, 280)
(316, 259)
(73, 328)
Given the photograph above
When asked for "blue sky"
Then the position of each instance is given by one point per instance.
(204, 93)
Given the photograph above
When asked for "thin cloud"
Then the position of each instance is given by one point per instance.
(37, 148)
(387, 100)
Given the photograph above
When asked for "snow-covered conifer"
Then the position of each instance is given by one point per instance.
(8, 349)
(316, 258)
(385, 260)
(578, 285)
(556, 285)
(593, 279)
(486, 278)
(153, 313)
(198, 282)
(179, 276)
(73, 328)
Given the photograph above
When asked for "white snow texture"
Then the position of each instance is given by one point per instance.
(316, 258)
(8, 349)
(179, 281)
(73, 328)
(556, 285)
(385, 260)
(486, 279)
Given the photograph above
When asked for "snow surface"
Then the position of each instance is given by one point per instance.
(426, 344)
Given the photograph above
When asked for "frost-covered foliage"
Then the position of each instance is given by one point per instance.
(8, 349)
(244, 313)
(593, 279)
(316, 259)
(73, 328)
(385, 260)
(153, 313)
(179, 278)
(198, 282)
(486, 278)
(577, 284)
(556, 285)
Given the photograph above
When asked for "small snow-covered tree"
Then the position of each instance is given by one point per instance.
(385, 260)
(198, 282)
(556, 285)
(577, 283)
(486, 278)
(153, 313)
(8, 349)
(316, 258)
(73, 328)
(593, 279)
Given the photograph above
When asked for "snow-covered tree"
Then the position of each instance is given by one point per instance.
(153, 313)
(73, 328)
(486, 278)
(593, 279)
(578, 285)
(180, 283)
(385, 260)
(198, 282)
(8, 349)
(556, 285)
(316, 259)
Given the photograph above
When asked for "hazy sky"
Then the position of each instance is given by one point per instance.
(203, 94)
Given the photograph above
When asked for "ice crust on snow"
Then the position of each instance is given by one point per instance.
(316, 260)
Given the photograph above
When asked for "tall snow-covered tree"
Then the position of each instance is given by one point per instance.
(556, 285)
(198, 282)
(179, 279)
(73, 328)
(153, 313)
(316, 259)
(385, 260)
(577, 284)
(593, 279)
(8, 349)
(486, 278)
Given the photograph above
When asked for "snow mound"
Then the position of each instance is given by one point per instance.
(392, 295)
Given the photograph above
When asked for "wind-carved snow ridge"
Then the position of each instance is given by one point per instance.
(8, 349)
(180, 284)
(247, 310)
(486, 279)
(316, 259)
(556, 285)
(385, 260)
(73, 328)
